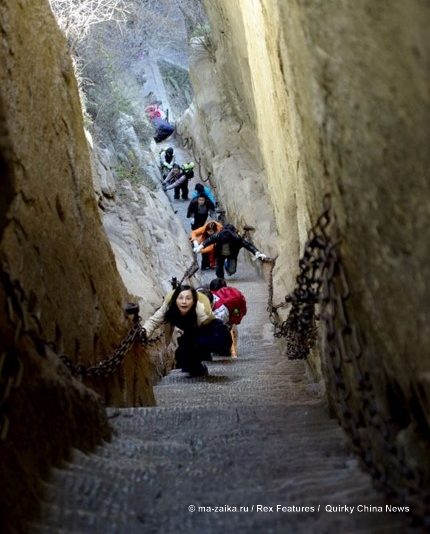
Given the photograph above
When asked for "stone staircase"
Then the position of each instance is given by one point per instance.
(248, 449)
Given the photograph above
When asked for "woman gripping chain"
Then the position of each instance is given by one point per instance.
(190, 311)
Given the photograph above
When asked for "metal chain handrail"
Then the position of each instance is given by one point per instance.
(191, 271)
(188, 144)
(136, 334)
(322, 280)
(109, 365)
(299, 329)
(345, 357)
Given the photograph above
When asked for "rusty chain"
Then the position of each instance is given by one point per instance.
(136, 334)
(188, 144)
(191, 271)
(103, 368)
(322, 280)
(299, 329)
(12, 368)
(109, 365)
(344, 354)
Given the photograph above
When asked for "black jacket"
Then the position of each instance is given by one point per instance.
(229, 235)
(200, 215)
(194, 204)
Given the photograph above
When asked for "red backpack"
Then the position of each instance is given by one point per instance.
(235, 302)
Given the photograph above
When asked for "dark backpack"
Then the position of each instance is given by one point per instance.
(235, 302)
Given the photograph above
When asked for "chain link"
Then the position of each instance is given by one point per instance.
(192, 269)
(322, 280)
(136, 333)
(108, 366)
(343, 349)
(299, 329)
(188, 144)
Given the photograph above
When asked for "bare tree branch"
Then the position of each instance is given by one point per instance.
(76, 17)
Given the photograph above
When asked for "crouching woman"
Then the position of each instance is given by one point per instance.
(190, 311)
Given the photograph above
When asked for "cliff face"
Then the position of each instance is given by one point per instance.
(53, 240)
(317, 97)
(293, 100)
(60, 291)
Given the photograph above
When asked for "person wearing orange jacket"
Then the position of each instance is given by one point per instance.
(201, 234)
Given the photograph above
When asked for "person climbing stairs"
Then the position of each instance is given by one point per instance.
(250, 448)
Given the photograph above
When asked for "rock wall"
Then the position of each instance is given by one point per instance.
(53, 245)
(293, 100)
(148, 240)
(320, 97)
(60, 287)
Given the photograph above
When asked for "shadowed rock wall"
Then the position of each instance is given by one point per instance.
(54, 244)
(60, 290)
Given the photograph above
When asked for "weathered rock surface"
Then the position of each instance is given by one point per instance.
(292, 101)
(61, 287)
(312, 98)
(217, 452)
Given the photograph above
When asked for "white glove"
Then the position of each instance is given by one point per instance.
(197, 249)
(195, 243)
(260, 256)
